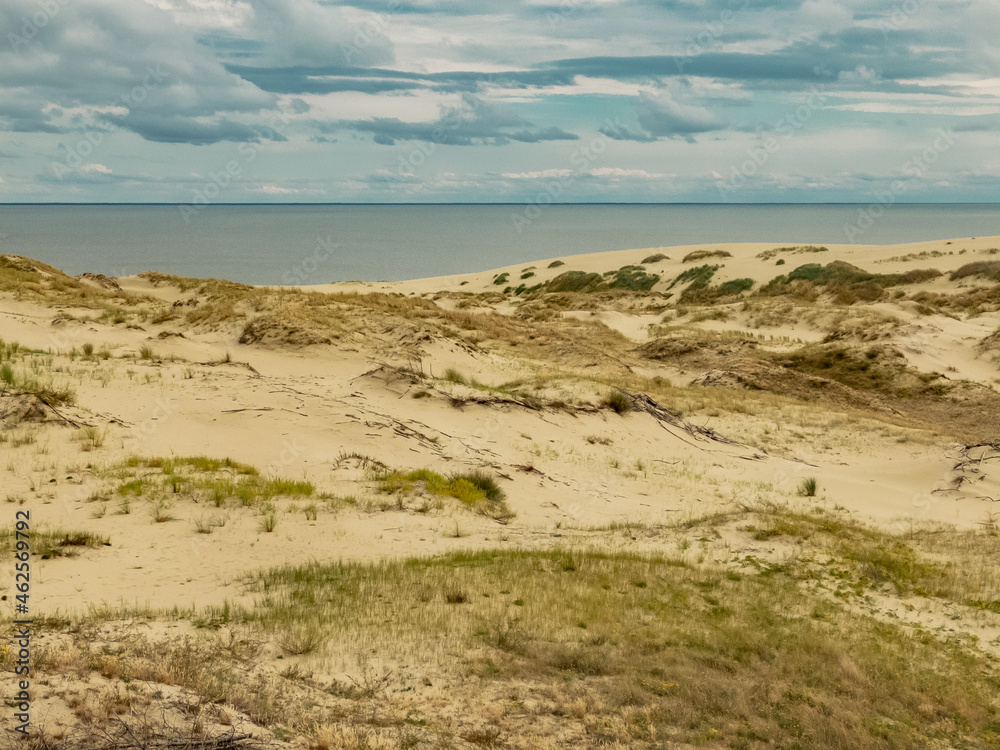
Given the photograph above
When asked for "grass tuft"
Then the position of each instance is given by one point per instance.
(808, 487)
(618, 402)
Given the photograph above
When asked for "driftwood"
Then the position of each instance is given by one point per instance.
(667, 419)
(226, 742)
(968, 467)
(231, 363)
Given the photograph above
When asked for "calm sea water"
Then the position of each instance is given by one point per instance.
(314, 244)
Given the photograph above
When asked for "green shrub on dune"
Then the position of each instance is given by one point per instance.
(575, 281)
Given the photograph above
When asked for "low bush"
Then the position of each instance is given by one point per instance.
(618, 402)
(702, 254)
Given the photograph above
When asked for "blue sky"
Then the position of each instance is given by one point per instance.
(491, 100)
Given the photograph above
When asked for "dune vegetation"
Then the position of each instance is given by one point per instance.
(721, 497)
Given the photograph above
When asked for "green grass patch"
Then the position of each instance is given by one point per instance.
(194, 463)
(477, 489)
(575, 281)
(847, 283)
(200, 477)
(633, 279)
(56, 542)
(699, 276)
(703, 254)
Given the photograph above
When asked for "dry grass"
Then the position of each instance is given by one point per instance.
(32, 280)
(28, 372)
(612, 648)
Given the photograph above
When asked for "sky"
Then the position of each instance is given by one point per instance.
(719, 101)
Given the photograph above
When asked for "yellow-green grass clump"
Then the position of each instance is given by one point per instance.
(56, 542)
(476, 489)
(214, 479)
(28, 371)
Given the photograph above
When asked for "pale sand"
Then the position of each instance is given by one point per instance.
(308, 406)
(742, 264)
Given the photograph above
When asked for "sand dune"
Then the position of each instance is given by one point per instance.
(628, 416)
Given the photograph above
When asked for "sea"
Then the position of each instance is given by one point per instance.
(321, 243)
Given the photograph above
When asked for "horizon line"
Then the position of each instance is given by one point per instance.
(491, 203)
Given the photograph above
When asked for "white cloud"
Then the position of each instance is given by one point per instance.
(828, 15)
(619, 173)
(862, 73)
(539, 175)
(274, 190)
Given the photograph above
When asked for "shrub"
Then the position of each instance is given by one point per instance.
(986, 269)
(735, 286)
(768, 254)
(556, 264)
(575, 281)
(525, 289)
(484, 482)
(699, 276)
(633, 278)
(654, 258)
(702, 254)
(301, 638)
(808, 487)
(846, 282)
(618, 402)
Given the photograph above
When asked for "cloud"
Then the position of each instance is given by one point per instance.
(324, 80)
(123, 55)
(978, 124)
(663, 117)
(618, 173)
(474, 122)
(303, 32)
(349, 76)
(825, 14)
(29, 116)
(543, 174)
(275, 190)
(623, 133)
(861, 74)
(194, 131)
